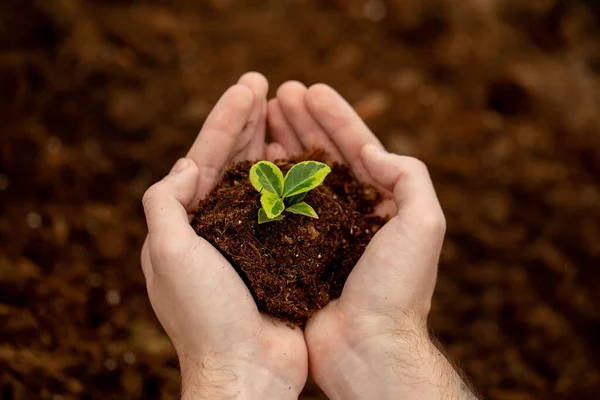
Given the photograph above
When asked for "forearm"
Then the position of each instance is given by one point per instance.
(403, 365)
(222, 381)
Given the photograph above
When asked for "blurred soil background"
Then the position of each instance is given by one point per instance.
(501, 98)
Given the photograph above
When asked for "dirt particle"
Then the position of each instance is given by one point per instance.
(312, 232)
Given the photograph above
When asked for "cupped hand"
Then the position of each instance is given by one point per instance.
(226, 348)
(372, 342)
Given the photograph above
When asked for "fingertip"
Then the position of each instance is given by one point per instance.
(321, 88)
(373, 158)
(192, 166)
(184, 164)
(241, 96)
(257, 82)
(182, 182)
(253, 75)
(275, 151)
(380, 165)
(290, 90)
(319, 94)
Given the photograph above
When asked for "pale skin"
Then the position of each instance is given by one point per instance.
(372, 342)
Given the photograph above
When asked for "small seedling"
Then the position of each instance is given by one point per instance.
(278, 193)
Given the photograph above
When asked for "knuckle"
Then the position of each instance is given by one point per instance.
(415, 164)
(434, 222)
(167, 251)
(150, 196)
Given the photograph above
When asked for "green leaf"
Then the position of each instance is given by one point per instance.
(272, 204)
(262, 217)
(295, 199)
(302, 209)
(266, 176)
(303, 177)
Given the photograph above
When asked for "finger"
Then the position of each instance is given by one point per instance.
(399, 266)
(386, 208)
(190, 279)
(280, 129)
(275, 151)
(218, 140)
(291, 97)
(254, 131)
(406, 177)
(166, 205)
(342, 124)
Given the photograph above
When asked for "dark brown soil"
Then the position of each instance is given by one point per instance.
(293, 267)
(98, 99)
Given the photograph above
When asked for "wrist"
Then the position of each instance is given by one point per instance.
(223, 380)
(401, 363)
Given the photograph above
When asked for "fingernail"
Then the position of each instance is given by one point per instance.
(179, 166)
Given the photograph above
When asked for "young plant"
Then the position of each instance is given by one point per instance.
(278, 193)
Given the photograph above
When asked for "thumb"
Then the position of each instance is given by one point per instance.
(166, 205)
(191, 285)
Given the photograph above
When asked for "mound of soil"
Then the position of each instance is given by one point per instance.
(293, 267)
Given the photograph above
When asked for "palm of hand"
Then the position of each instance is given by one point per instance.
(200, 300)
(390, 288)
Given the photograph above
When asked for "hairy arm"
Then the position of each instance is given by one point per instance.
(219, 380)
(404, 364)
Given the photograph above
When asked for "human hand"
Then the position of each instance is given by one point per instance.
(373, 342)
(226, 348)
